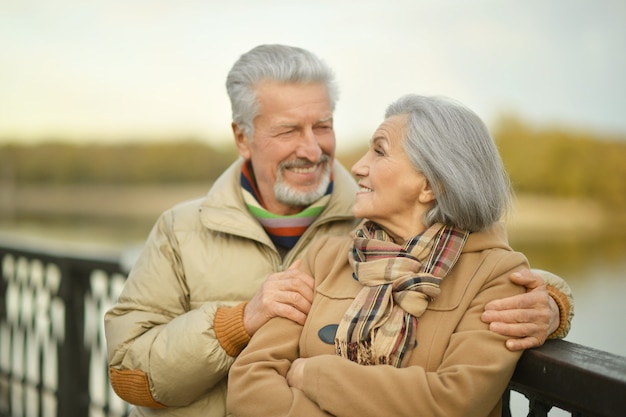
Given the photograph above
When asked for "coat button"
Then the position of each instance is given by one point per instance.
(327, 333)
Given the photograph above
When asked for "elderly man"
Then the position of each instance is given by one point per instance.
(215, 269)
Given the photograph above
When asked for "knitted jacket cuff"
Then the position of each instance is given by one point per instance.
(229, 329)
(562, 302)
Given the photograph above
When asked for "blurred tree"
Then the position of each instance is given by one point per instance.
(550, 161)
(560, 162)
(63, 163)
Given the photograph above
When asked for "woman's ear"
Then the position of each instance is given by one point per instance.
(241, 141)
(426, 194)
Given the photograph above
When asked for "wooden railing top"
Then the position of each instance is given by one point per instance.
(573, 377)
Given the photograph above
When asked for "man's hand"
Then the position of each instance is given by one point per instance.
(295, 375)
(287, 294)
(527, 318)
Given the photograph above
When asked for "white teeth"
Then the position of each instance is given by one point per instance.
(303, 170)
(364, 189)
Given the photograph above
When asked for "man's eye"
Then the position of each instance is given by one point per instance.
(379, 152)
(323, 128)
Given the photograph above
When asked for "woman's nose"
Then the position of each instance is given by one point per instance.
(359, 169)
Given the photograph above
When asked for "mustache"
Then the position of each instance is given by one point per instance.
(303, 162)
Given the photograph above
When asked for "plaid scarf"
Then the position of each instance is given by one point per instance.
(380, 327)
(284, 231)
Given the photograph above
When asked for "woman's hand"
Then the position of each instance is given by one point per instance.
(295, 375)
(287, 294)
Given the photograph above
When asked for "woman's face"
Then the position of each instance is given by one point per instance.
(392, 192)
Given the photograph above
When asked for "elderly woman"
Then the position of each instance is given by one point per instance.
(404, 295)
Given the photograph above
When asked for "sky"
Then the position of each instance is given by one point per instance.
(118, 70)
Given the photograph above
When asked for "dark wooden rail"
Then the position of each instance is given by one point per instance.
(53, 352)
(572, 377)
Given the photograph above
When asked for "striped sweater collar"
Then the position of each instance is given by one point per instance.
(284, 231)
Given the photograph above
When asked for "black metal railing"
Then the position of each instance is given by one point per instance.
(53, 353)
(52, 346)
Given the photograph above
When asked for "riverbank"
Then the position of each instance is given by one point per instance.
(123, 215)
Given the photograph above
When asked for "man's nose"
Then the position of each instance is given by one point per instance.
(309, 147)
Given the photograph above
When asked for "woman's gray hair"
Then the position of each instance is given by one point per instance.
(279, 63)
(453, 148)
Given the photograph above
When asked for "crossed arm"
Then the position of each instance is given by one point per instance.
(544, 310)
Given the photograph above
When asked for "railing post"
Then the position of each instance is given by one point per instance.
(538, 408)
(73, 356)
(506, 403)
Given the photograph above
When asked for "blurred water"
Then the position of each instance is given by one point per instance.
(595, 270)
(600, 311)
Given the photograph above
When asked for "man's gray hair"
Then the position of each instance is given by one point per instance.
(279, 63)
(453, 148)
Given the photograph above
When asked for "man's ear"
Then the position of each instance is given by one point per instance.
(241, 141)
(426, 194)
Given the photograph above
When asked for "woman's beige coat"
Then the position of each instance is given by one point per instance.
(200, 255)
(459, 367)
